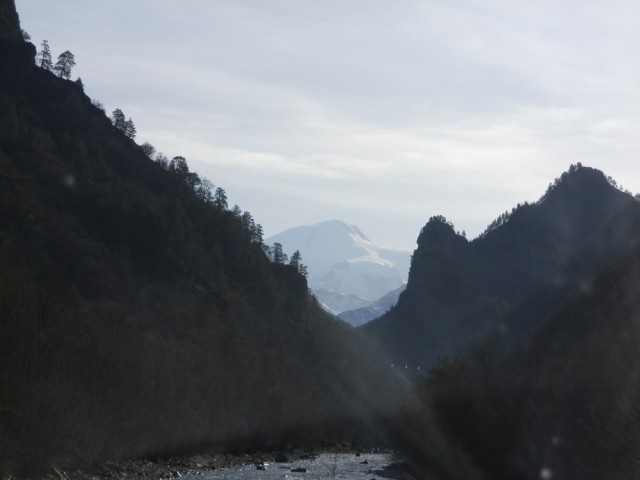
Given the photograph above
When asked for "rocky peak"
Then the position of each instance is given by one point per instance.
(580, 183)
(437, 231)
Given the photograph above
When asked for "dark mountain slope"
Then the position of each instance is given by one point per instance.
(566, 405)
(139, 317)
(460, 292)
(9, 22)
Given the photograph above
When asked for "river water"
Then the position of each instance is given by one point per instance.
(342, 466)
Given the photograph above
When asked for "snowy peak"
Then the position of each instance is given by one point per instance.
(339, 226)
(330, 241)
(346, 269)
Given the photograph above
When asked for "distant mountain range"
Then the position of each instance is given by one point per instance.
(346, 270)
(362, 315)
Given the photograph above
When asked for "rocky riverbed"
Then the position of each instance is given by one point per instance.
(258, 466)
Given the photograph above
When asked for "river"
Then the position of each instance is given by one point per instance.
(343, 466)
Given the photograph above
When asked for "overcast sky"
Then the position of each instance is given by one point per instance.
(380, 113)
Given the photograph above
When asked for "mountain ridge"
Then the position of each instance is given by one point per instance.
(572, 388)
(459, 291)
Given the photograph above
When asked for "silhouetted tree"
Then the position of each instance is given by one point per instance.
(236, 211)
(66, 61)
(296, 261)
(278, 255)
(248, 222)
(178, 165)
(257, 234)
(130, 129)
(192, 179)
(98, 104)
(148, 149)
(220, 199)
(118, 119)
(255, 230)
(25, 36)
(43, 59)
(162, 160)
(204, 190)
(302, 270)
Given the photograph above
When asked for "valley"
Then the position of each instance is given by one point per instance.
(149, 330)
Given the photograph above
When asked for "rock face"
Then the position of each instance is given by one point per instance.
(9, 21)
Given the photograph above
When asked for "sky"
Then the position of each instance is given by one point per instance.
(379, 113)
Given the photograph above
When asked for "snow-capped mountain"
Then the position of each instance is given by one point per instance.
(346, 270)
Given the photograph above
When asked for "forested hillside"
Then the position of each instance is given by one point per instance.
(565, 405)
(138, 313)
(509, 278)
